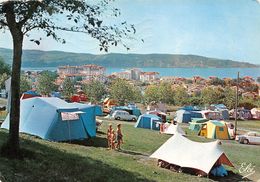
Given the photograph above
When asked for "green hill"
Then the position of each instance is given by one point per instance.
(36, 58)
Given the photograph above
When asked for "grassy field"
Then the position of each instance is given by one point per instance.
(248, 125)
(90, 160)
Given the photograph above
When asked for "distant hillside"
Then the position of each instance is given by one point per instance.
(35, 58)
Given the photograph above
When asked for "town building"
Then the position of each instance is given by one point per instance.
(149, 76)
(84, 73)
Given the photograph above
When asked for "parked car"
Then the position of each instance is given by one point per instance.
(123, 115)
(249, 138)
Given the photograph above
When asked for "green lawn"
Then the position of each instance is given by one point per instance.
(248, 124)
(90, 160)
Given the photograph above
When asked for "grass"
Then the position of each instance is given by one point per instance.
(253, 125)
(90, 160)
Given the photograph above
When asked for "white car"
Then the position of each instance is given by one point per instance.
(249, 138)
(123, 115)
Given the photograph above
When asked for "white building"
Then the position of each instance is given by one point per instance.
(149, 76)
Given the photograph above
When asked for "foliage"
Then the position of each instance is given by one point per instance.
(124, 92)
(195, 101)
(67, 87)
(181, 96)
(166, 93)
(248, 103)
(5, 72)
(95, 90)
(152, 93)
(46, 83)
(159, 93)
(3, 78)
(212, 95)
(25, 84)
(4, 68)
(217, 81)
(229, 98)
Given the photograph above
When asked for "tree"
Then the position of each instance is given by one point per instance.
(181, 96)
(229, 98)
(21, 17)
(212, 95)
(94, 90)
(46, 83)
(159, 93)
(25, 84)
(123, 92)
(166, 93)
(67, 87)
(152, 94)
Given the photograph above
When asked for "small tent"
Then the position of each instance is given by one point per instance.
(159, 114)
(204, 155)
(196, 123)
(214, 129)
(56, 120)
(172, 129)
(148, 121)
(183, 116)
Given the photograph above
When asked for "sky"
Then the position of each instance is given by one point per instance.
(226, 29)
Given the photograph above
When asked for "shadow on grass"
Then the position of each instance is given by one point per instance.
(51, 164)
(230, 178)
(132, 153)
(94, 142)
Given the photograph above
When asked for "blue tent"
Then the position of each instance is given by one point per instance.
(56, 120)
(183, 116)
(148, 121)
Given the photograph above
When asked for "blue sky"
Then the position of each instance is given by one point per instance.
(228, 29)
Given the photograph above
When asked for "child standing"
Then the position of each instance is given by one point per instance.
(109, 133)
(112, 139)
(119, 137)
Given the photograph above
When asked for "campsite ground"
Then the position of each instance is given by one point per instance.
(90, 160)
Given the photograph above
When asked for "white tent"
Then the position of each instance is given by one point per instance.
(173, 129)
(177, 150)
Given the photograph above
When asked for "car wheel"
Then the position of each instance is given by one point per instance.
(117, 118)
(246, 141)
(133, 119)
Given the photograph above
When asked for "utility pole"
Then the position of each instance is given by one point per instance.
(237, 89)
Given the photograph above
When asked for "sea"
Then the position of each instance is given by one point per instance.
(179, 72)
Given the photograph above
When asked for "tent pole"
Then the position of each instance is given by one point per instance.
(236, 103)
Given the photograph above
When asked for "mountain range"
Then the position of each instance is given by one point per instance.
(37, 58)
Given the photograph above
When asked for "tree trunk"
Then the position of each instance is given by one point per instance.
(12, 148)
(13, 140)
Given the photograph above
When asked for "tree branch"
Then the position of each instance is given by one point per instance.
(31, 10)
